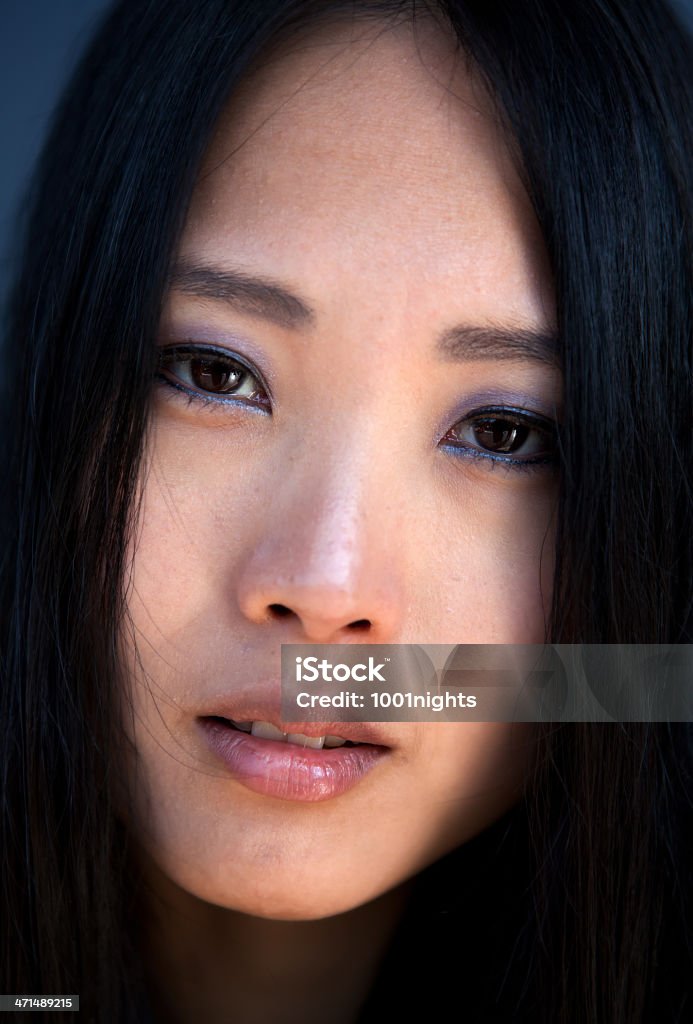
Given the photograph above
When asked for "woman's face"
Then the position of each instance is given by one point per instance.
(374, 467)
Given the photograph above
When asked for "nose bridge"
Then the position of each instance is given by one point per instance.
(324, 549)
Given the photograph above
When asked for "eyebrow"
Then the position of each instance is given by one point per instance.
(257, 296)
(269, 300)
(516, 344)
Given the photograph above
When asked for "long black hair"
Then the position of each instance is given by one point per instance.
(598, 99)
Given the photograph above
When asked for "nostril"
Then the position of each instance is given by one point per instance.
(280, 611)
(360, 624)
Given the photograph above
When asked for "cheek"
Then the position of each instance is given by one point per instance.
(468, 775)
(488, 576)
(197, 501)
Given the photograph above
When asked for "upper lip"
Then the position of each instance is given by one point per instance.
(357, 732)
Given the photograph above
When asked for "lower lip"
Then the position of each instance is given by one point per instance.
(287, 771)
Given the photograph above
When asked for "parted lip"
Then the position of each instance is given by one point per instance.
(291, 771)
(358, 732)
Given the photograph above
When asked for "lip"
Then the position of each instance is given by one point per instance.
(286, 770)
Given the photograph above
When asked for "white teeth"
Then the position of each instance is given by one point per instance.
(315, 742)
(267, 731)
(334, 741)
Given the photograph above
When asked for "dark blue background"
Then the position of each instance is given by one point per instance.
(39, 42)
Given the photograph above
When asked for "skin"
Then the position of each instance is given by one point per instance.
(363, 168)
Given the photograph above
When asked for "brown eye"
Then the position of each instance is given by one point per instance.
(500, 436)
(205, 373)
(214, 375)
(514, 436)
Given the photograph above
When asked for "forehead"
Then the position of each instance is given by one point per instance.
(375, 140)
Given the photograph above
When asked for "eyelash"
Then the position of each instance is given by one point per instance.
(513, 418)
(493, 416)
(179, 355)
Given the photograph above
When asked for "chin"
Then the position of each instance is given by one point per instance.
(310, 897)
(289, 903)
(307, 891)
(292, 909)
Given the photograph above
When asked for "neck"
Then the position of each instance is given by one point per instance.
(204, 961)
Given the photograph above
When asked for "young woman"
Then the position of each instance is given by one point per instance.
(347, 322)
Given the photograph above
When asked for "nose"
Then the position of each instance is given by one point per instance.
(324, 562)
